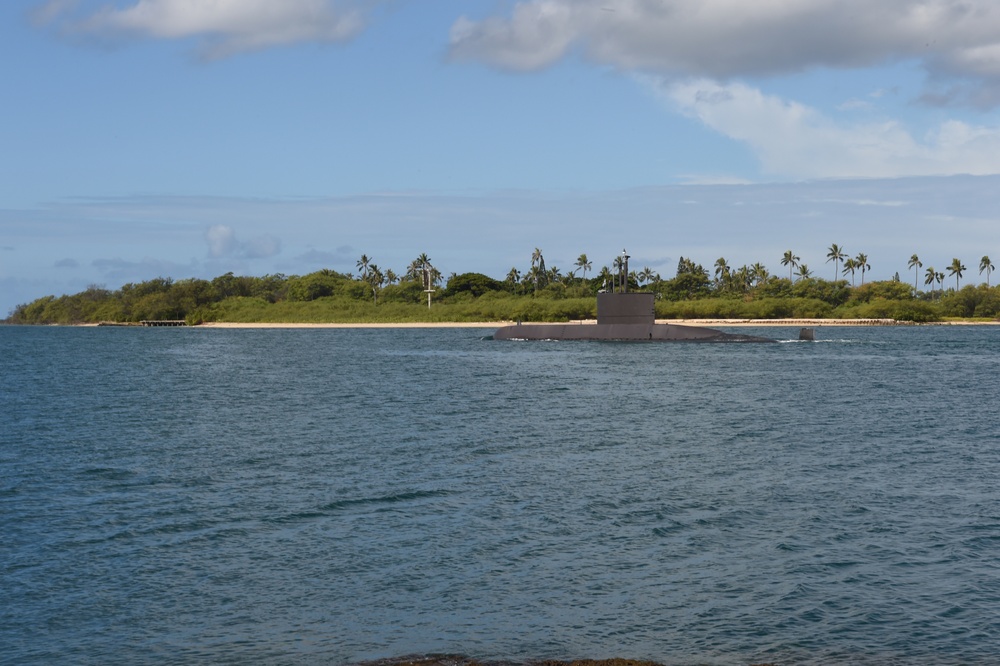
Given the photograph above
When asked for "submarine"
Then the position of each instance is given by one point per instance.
(624, 316)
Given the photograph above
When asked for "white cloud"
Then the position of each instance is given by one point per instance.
(797, 141)
(537, 34)
(722, 39)
(222, 242)
(225, 27)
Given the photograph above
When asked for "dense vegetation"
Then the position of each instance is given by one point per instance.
(540, 294)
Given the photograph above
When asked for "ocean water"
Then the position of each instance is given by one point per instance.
(191, 496)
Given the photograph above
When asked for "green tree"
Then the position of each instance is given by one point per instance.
(513, 278)
(362, 265)
(421, 270)
(986, 265)
(535, 277)
(861, 264)
(646, 275)
(583, 263)
(743, 279)
(850, 266)
(929, 277)
(375, 279)
(836, 255)
(685, 286)
(956, 269)
(804, 272)
(538, 273)
(312, 286)
(618, 266)
(759, 274)
(916, 265)
(722, 274)
(606, 277)
(890, 290)
(476, 284)
(791, 261)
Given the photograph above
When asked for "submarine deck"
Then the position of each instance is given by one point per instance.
(622, 333)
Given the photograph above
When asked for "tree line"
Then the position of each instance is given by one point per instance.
(536, 292)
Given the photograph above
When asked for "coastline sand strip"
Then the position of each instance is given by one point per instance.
(497, 324)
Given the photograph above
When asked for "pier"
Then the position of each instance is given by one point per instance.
(163, 322)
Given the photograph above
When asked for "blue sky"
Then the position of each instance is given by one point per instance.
(187, 138)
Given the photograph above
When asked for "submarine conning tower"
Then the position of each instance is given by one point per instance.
(625, 308)
(622, 307)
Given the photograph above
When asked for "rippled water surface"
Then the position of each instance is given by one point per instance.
(331, 496)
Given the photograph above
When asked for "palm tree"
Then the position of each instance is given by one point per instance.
(791, 261)
(538, 268)
(861, 264)
(534, 276)
(419, 269)
(836, 255)
(721, 267)
(939, 276)
(743, 278)
(537, 259)
(646, 275)
(916, 265)
(723, 274)
(374, 278)
(759, 274)
(929, 277)
(618, 266)
(513, 277)
(605, 276)
(363, 264)
(434, 275)
(583, 263)
(956, 269)
(986, 265)
(804, 272)
(850, 265)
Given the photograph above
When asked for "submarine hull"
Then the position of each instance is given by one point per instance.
(621, 333)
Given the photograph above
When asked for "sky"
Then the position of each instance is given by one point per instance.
(190, 138)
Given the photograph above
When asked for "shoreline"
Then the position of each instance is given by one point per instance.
(729, 323)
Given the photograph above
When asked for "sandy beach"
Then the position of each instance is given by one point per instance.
(686, 322)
